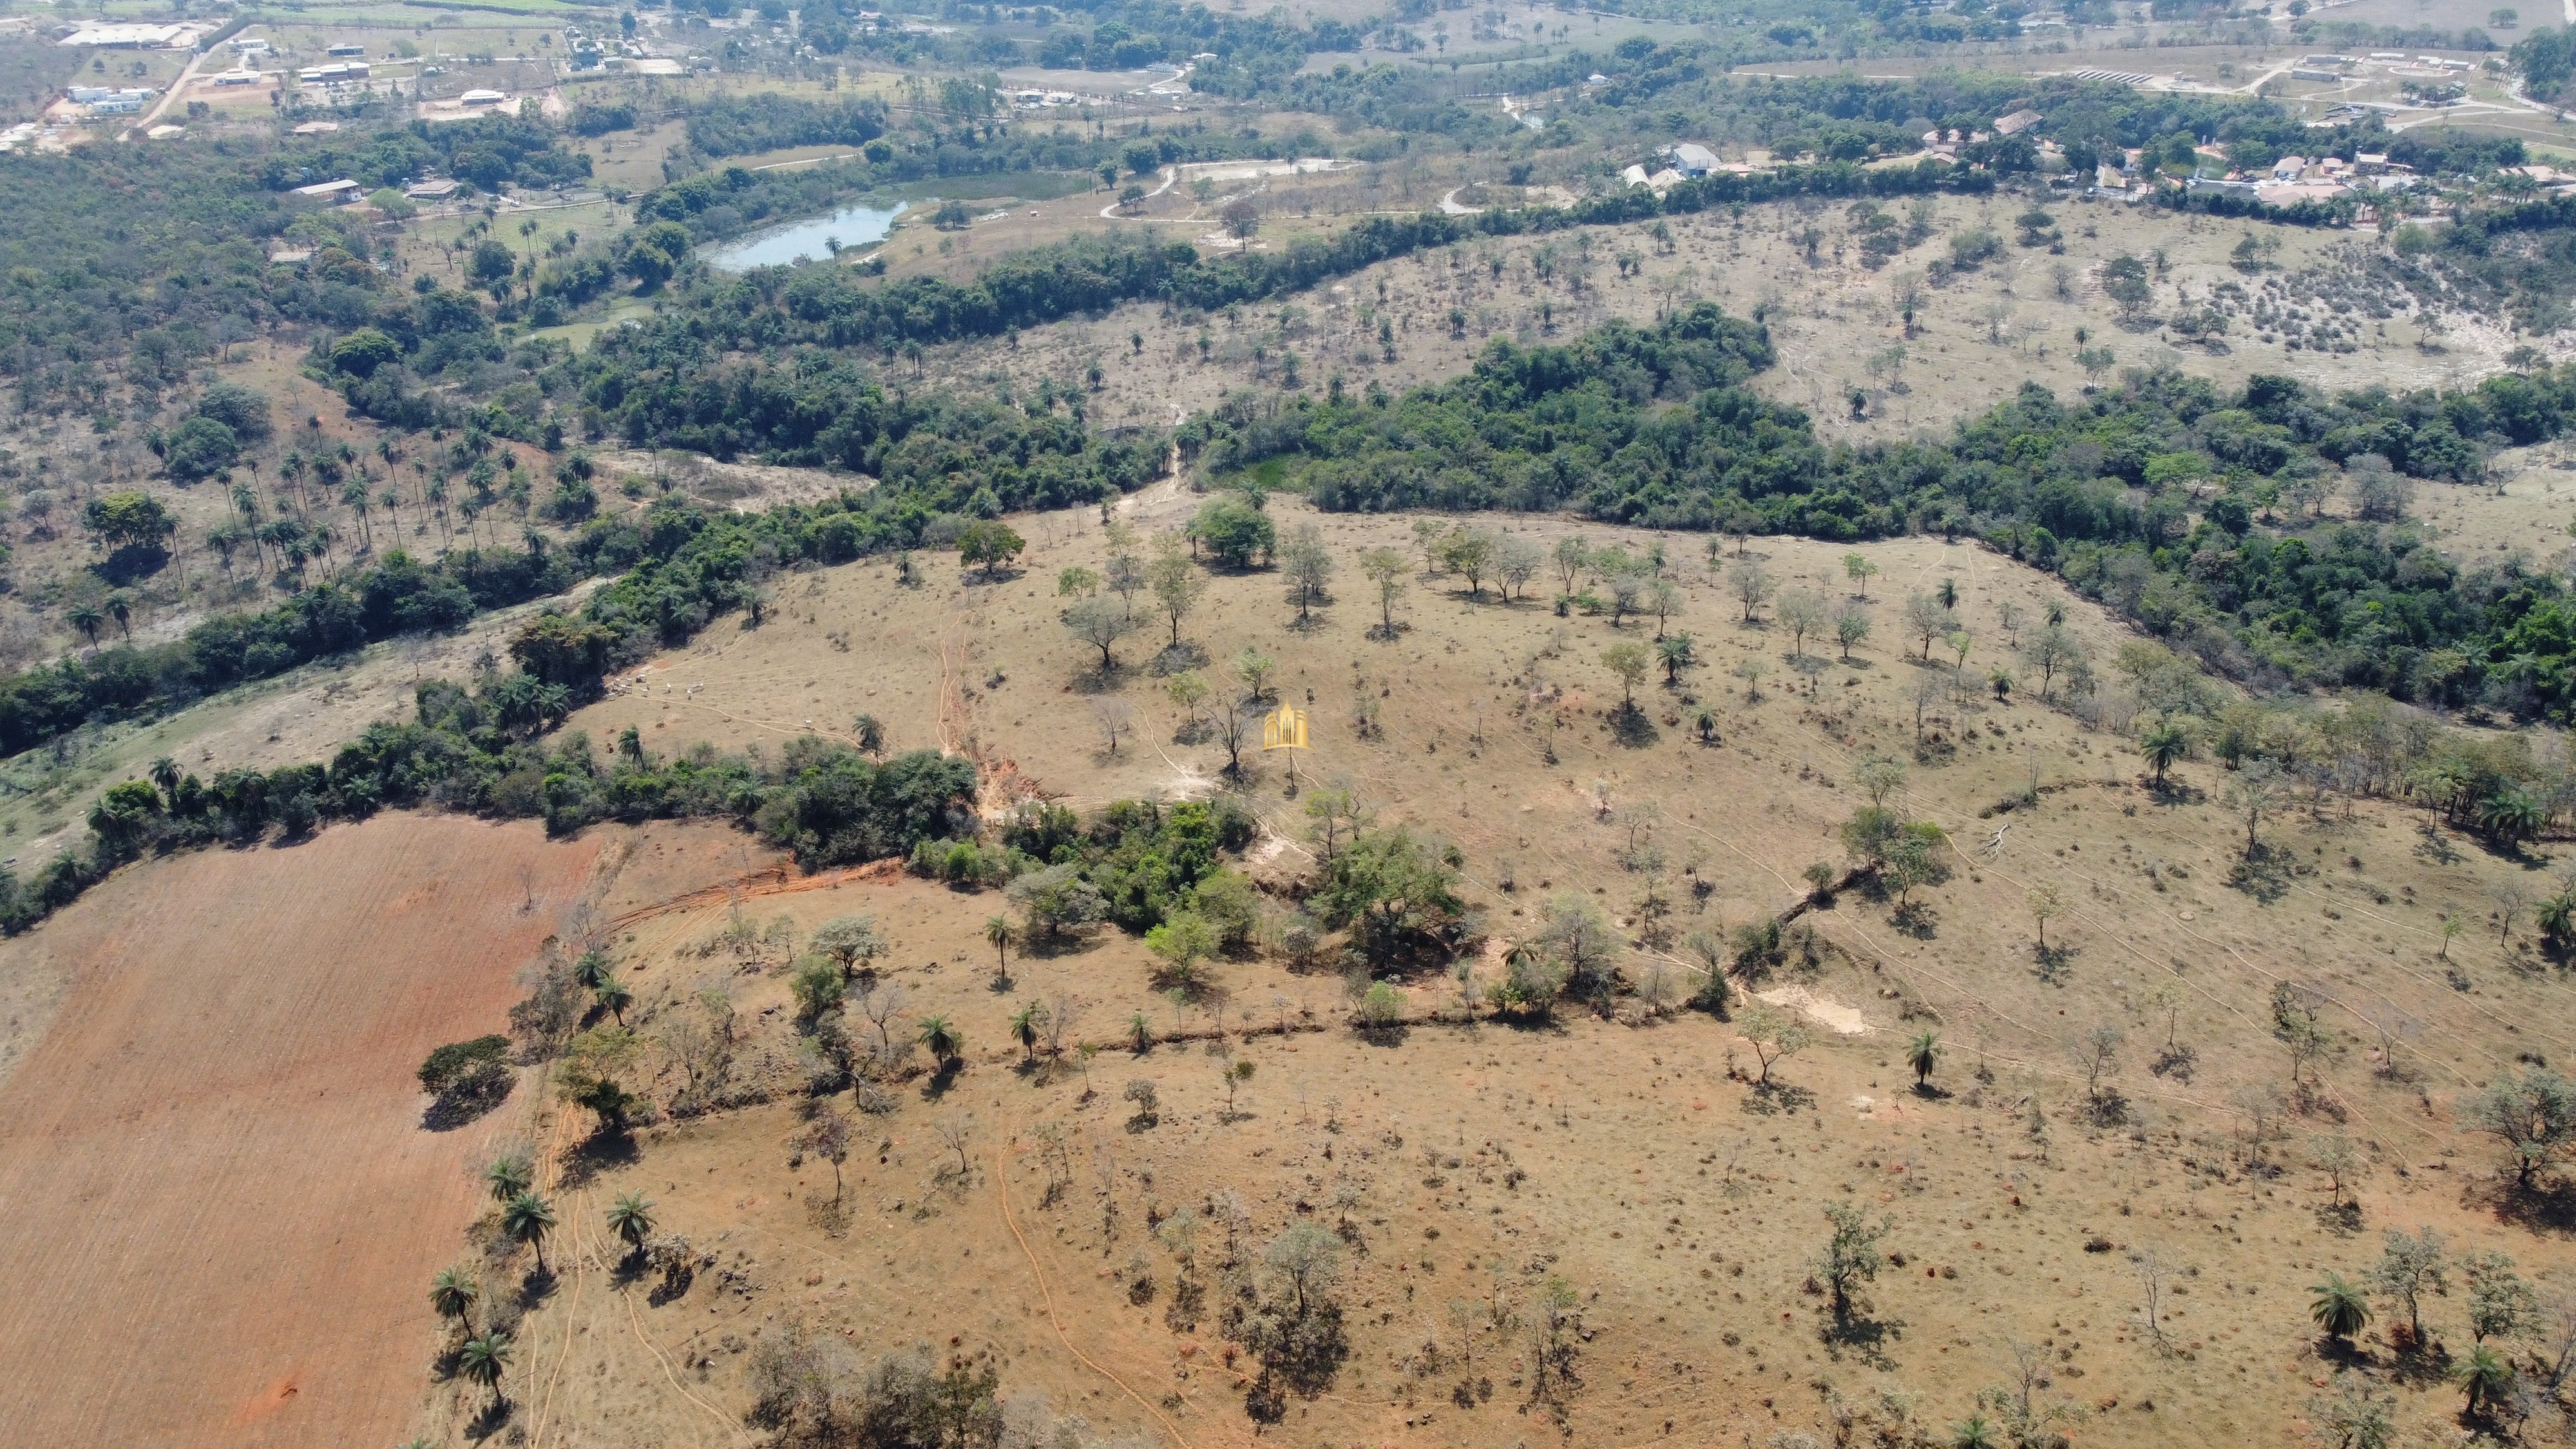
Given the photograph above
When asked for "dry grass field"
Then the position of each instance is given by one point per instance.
(1979, 337)
(1625, 1157)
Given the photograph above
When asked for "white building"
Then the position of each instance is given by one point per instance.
(131, 37)
(1692, 159)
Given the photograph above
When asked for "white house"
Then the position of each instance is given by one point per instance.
(1692, 159)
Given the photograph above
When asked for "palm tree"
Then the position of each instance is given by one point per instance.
(2511, 817)
(1001, 933)
(453, 1295)
(165, 773)
(1024, 1029)
(1948, 594)
(85, 617)
(1973, 1432)
(941, 1040)
(1673, 651)
(508, 1177)
(123, 608)
(528, 1218)
(591, 971)
(631, 1218)
(483, 1359)
(1140, 1029)
(2339, 1308)
(2486, 1377)
(2162, 744)
(615, 995)
(1923, 1054)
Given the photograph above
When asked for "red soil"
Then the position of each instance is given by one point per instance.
(223, 1209)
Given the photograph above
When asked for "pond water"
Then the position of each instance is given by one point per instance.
(857, 226)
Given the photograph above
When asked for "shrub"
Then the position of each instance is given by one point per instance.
(459, 1060)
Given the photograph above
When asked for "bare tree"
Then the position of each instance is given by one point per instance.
(881, 1005)
(2097, 1056)
(2153, 1271)
(955, 1131)
(1112, 715)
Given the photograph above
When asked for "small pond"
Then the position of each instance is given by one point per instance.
(857, 226)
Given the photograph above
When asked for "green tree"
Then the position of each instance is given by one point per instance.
(508, 1177)
(817, 986)
(452, 1295)
(1629, 661)
(1182, 940)
(1673, 651)
(483, 1360)
(527, 1218)
(2163, 743)
(941, 1040)
(1851, 1256)
(1000, 934)
(988, 543)
(615, 996)
(1394, 884)
(128, 520)
(2532, 1112)
(2407, 1269)
(630, 1217)
(1923, 1054)
(1235, 531)
(2338, 1308)
(2485, 1376)
(1027, 1025)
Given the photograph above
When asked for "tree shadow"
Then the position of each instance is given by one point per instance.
(2341, 1219)
(538, 1286)
(1633, 727)
(1862, 1336)
(2263, 873)
(131, 564)
(598, 1153)
(2541, 1207)
(939, 1083)
(2053, 964)
(1173, 658)
(1100, 680)
(468, 1100)
(1061, 944)
(2431, 848)
(2417, 1364)
(1770, 1099)
(490, 1420)
(1932, 1091)
(2177, 1062)
(1390, 1034)
(1916, 919)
